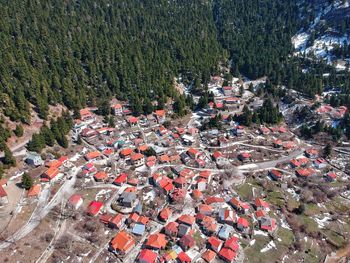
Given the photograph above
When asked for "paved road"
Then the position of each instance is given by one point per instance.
(269, 164)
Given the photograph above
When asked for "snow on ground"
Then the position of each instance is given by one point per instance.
(252, 242)
(16, 176)
(284, 224)
(269, 246)
(322, 222)
(75, 157)
(102, 193)
(149, 195)
(299, 41)
(259, 232)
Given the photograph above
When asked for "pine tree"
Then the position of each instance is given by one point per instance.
(27, 181)
(19, 130)
(327, 150)
(9, 159)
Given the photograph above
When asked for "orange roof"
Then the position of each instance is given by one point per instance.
(34, 190)
(85, 112)
(164, 158)
(187, 219)
(209, 255)
(126, 151)
(205, 174)
(123, 241)
(92, 155)
(157, 241)
(100, 175)
(165, 213)
(143, 147)
(133, 120)
(136, 156)
(51, 172)
(117, 106)
(193, 151)
(197, 194)
(160, 113)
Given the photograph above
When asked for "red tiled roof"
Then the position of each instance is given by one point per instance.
(123, 241)
(227, 254)
(94, 207)
(157, 241)
(187, 219)
(147, 256)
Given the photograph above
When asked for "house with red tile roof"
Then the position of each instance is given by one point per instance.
(209, 256)
(305, 172)
(214, 243)
(331, 176)
(3, 196)
(264, 130)
(160, 115)
(116, 221)
(311, 153)
(178, 195)
(200, 183)
(277, 143)
(92, 155)
(120, 179)
(236, 204)
(75, 201)
(260, 204)
(133, 120)
(117, 109)
(232, 243)
(122, 243)
(214, 199)
(34, 191)
(164, 158)
(196, 194)
(171, 229)
(244, 156)
(205, 174)
(94, 208)
(137, 159)
(180, 182)
(156, 241)
(100, 176)
(187, 173)
(205, 209)
(193, 153)
(147, 256)
(184, 258)
(227, 255)
(209, 225)
(275, 174)
(268, 224)
(260, 213)
(165, 214)
(125, 153)
(50, 173)
(242, 224)
(187, 219)
(218, 156)
(227, 216)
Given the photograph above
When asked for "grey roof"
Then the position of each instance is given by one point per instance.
(225, 231)
(138, 229)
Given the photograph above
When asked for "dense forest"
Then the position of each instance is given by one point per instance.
(74, 52)
(81, 53)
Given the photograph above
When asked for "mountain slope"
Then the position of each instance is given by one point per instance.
(327, 36)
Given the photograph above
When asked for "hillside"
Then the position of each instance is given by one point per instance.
(326, 36)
